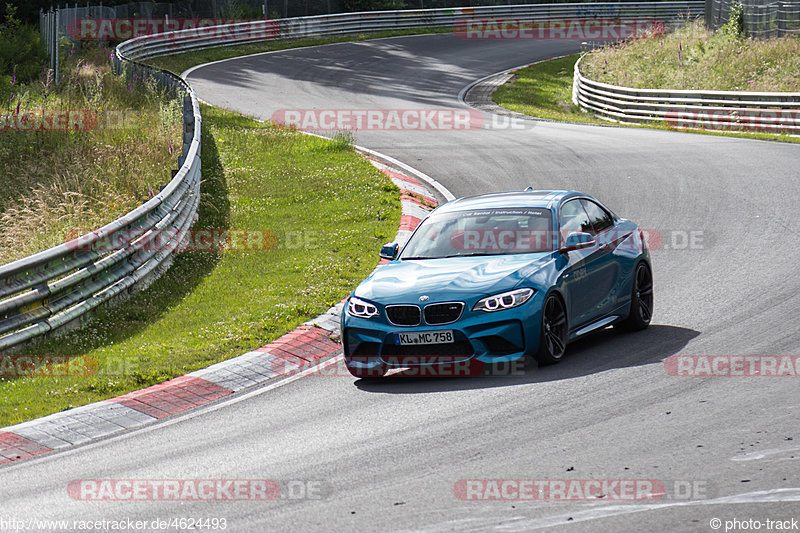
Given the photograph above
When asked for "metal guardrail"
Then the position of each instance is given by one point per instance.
(770, 112)
(348, 23)
(50, 289)
(56, 287)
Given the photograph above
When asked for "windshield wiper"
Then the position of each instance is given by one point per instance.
(474, 254)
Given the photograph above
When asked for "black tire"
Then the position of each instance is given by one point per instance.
(366, 373)
(641, 311)
(553, 336)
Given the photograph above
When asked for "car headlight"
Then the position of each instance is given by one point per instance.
(505, 300)
(360, 308)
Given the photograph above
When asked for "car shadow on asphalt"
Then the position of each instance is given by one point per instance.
(605, 350)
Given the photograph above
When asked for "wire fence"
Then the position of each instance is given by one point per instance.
(762, 19)
(48, 27)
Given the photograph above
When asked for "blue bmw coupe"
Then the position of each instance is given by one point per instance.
(494, 278)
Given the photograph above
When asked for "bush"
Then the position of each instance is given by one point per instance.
(372, 5)
(735, 25)
(22, 52)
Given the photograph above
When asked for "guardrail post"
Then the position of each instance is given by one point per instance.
(56, 45)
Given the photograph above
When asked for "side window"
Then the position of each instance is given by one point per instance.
(573, 217)
(601, 219)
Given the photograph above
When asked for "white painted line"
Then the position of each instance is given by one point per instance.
(441, 189)
(411, 187)
(463, 92)
(402, 237)
(755, 456)
(179, 417)
(763, 496)
(415, 210)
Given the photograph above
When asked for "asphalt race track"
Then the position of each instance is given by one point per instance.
(387, 455)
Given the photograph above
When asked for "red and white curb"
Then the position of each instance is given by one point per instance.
(310, 343)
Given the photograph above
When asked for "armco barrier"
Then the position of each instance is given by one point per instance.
(684, 109)
(50, 289)
(349, 23)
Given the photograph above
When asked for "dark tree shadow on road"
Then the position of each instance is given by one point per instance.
(387, 68)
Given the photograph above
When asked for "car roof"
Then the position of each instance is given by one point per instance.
(528, 198)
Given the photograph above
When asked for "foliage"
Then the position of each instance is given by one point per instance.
(735, 25)
(57, 182)
(372, 5)
(695, 58)
(22, 52)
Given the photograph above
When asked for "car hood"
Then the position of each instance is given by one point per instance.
(442, 279)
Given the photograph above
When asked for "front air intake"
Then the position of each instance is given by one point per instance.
(443, 313)
(403, 315)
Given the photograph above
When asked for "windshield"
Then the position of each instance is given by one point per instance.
(482, 232)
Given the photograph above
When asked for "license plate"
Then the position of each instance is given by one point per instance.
(424, 337)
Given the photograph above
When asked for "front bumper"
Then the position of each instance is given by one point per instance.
(498, 337)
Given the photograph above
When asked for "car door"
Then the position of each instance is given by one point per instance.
(572, 217)
(586, 300)
(604, 275)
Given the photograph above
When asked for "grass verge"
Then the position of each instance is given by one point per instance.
(329, 211)
(544, 90)
(62, 178)
(695, 58)
(178, 63)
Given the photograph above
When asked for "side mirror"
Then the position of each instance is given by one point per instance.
(389, 250)
(577, 240)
